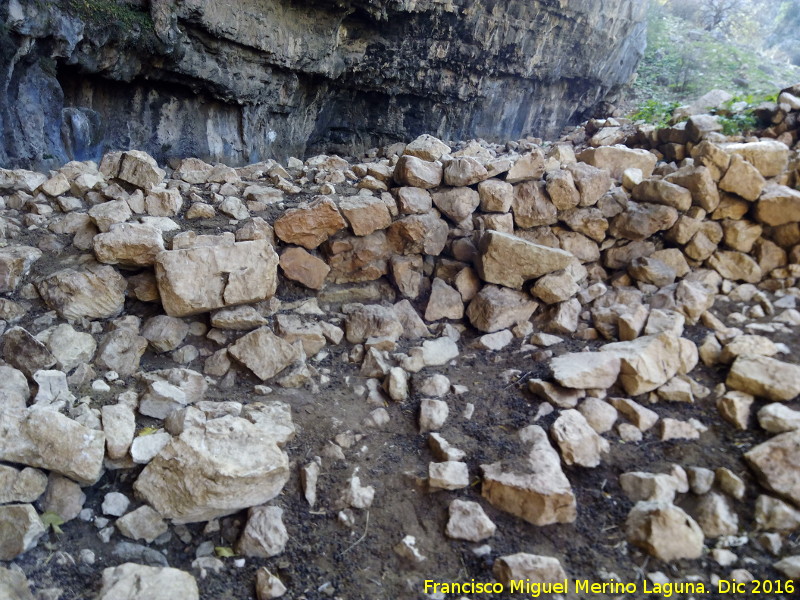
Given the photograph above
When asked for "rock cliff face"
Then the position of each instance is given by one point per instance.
(251, 79)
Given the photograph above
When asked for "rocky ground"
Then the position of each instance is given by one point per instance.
(465, 363)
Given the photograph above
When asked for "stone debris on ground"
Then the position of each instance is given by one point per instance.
(210, 368)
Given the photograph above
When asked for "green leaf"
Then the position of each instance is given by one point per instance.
(148, 431)
(53, 520)
(224, 552)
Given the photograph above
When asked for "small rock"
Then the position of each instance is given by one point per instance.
(407, 548)
(20, 530)
(432, 414)
(265, 534)
(131, 580)
(448, 475)
(528, 567)
(469, 522)
(664, 531)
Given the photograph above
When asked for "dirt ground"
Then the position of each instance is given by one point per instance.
(325, 558)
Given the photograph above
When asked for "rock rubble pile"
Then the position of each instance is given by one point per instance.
(138, 302)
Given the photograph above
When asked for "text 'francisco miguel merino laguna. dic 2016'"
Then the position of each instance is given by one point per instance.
(586, 586)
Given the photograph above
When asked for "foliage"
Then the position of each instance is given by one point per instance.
(224, 552)
(147, 431)
(655, 112)
(683, 61)
(52, 520)
(111, 13)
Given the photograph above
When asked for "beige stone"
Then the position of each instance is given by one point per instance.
(426, 147)
(778, 205)
(528, 568)
(647, 362)
(511, 261)
(529, 166)
(578, 442)
(495, 308)
(770, 157)
(775, 462)
(586, 370)
(533, 488)
(742, 179)
(418, 234)
(416, 172)
(464, 171)
(531, 206)
(264, 353)
(94, 291)
(43, 438)
(765, 377)
(131, 580)
(310, 224)
(456, 203)
(20, 530)
(615, 159)
(444, 302)
(561, 189)
(15, 264)
(214, 469)
(735, 265)
(657, 191)
(664, 531)
(495, 195)
(203, 278)
(698, 180)
(305, 268)
(365, 214)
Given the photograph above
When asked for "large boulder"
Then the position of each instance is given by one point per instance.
(202, 278)
(215, 469)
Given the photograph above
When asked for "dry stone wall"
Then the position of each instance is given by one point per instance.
(225, 275)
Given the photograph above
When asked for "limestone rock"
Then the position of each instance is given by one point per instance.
(510, 261)
(119, 425)
(775, 514)
(464, 171)
(529, 166)
(25, 352)
(716, 516)
(432, 414)
(778, 205)
(529, 568)
(95, 291)
(736, 266)
(648, 487)
(372, 320)
(21, 485)
(775, 462)
(456, 203)
(164, 333)
(264, 353)
(416, 172)
(418, 234)
(578, 442)
(600, 415)
(214, 469)
(20, 530)
(778, 418)
(495, 195)
(426, 147)
(68, 346)
(265, 534)
(365, 214)
(586, 370)
(46, 439)
(534, 488)
(444, 302)
(120, 351)
(592, 183)
(765, 377)
(769, 157)
(742, 179)
(129, 244)
(664, 531)
(134, 166)
(643, 418)
(14, 585)
(531, 206)
(448, 475)
(15, 264)
(495, 308)
(647, 362)
(657, 191)
(468, 522)
(310, 223)
(144, 523)
(128, 581)
(615, 159)
(298, 265)
(203, 278)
